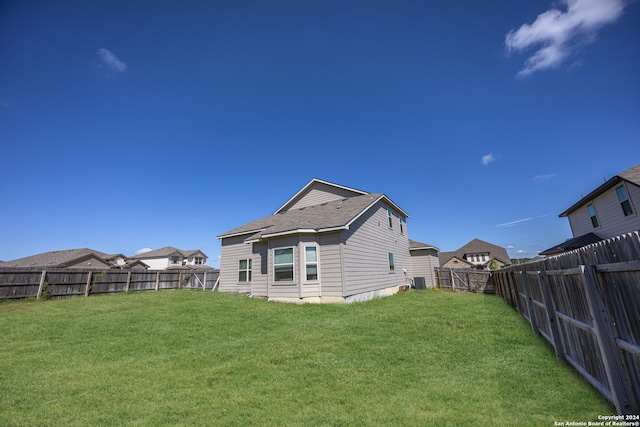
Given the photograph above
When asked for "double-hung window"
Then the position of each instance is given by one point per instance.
(244, 270)
(392, 265)
(311, 262)
(283, 265)
(592, 214)
(390, 217)
(625, 203)
(401, 224)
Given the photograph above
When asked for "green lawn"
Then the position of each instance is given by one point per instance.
(206, 358)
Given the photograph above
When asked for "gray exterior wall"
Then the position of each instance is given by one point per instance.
(423, 262)
(365, 253)
(321, 193)
(611, 219)
(234, 249)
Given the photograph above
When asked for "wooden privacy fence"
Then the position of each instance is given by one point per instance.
(61, 283)
(586, 304)
(463, 279)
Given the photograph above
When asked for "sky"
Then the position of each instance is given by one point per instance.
(131, 125)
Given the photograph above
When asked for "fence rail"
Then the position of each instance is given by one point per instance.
(586, 304)
(18, 283)
(472, 280)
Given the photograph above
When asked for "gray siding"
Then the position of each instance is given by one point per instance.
(321, 193)
(423, 262)
(331, 264)
(365, 253)
(284, 289)
(259, 273)
(611, 219)
(233, 249)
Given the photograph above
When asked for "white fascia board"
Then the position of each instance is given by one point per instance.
(289, 232)
(424, 247)
(224, 236)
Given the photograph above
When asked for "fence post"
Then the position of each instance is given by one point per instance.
(180, 280)
(551, 315)
(86, 289)
(618, 380)
(527, 297)
(41, 286)
(453, 285)
(126, 288)
(157, 279)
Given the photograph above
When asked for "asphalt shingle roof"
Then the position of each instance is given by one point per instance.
(56, 258)
(329, 215)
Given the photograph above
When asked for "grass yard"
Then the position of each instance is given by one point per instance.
(190, 358)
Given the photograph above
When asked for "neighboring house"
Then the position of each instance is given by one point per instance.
(74, 258)
(328, 243)
(475, 254)
(424, 260)
(609, 210)
(171, 258)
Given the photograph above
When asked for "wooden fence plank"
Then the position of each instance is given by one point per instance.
(618, 380)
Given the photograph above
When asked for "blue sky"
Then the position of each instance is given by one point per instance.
(128, 125)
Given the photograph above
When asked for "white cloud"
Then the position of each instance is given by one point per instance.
(486, 159)
(547, 177)
(557, 34)
(109, 62)
(143, 250)
(512, 223)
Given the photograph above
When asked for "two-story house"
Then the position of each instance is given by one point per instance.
(476, 254)
(171, 258)
(609, 210)
(328, 243)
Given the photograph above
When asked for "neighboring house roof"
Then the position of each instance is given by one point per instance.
(414, 246)
(327, 216)
(631, 175)
(168, 251)
(62, 258)
(571, 244)
(477, 246)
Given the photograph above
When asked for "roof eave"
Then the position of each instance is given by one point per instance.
(595, 193)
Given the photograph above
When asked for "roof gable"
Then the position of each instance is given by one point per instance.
(477, 246)
(318, 191)
(631, 175)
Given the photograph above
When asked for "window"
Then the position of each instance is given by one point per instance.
(392, 266)
(311, 262)
(592, 214)
(283, 265)
(175, 260)
(244, 270)
(401, 226)
(390, 217)
(199, 261)
(625, 203)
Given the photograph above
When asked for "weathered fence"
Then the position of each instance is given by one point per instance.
(17, 283)
(586, 304)
(472, 280)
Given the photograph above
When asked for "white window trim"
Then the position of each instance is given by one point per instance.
(249, 270)
(390, 263)
(304, 264)
(595, 213)
(293, 264)
(633, 208)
